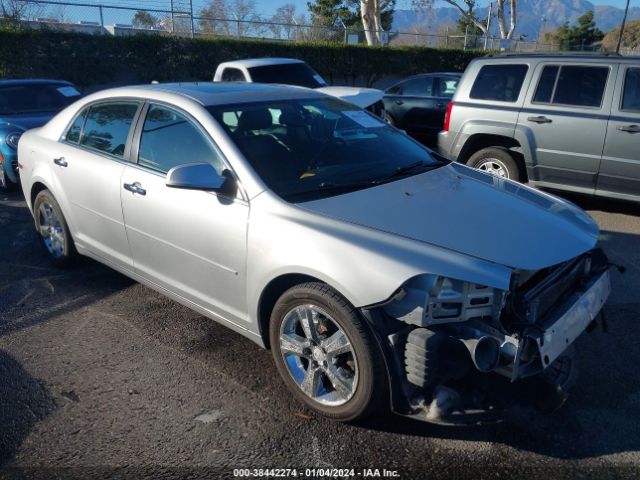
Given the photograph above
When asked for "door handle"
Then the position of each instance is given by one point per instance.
(629, 128)
(399, 102)
(60, 161)
(539, 119)
(135, 187)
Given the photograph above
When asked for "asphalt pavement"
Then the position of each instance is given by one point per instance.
(101, 377)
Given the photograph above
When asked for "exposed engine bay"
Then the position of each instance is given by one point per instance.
(466, 347)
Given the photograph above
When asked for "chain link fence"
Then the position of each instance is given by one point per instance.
(182, 17)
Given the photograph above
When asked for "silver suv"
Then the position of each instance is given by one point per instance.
(563, 122)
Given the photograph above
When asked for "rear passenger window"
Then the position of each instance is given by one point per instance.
(631, 95)
(169, 139)
(73, 134)
(447, 87)
(499, 82)
(233, 75)
(418, 87)
(573, 85)
(107, 127)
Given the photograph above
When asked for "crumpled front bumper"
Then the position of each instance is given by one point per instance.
(561, 327)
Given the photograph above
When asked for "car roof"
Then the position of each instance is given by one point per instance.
(33, 81)
(217, 93)
(582, 57)
(261, 62)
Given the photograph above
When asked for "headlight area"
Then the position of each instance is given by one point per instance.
(469, 352)
(13, 138)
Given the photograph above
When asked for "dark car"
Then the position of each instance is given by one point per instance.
(26, 104)
(418, 104)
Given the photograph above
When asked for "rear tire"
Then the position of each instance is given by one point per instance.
(53, 230)
(346, 386)
(496, 161)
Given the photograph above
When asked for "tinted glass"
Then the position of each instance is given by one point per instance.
(394, 90)
(73, 134)
(545, 85)
(499, 82)
(169, 139)
(299, 74)
(581, 86)
(107, 127)
(308, 149)
(233, 75)
(34, 98)
(447, 87)
(419, 87)
(631, 95)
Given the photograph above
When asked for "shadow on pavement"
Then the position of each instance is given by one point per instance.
(25, 402)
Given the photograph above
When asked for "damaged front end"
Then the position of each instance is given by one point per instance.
(465, 351)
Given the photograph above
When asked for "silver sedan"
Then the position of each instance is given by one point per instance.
(378, 273)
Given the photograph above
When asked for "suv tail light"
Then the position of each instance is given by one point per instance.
(447, 117)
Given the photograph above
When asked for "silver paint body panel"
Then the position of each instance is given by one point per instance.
(217, 255)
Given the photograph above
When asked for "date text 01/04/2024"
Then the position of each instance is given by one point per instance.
(315, 473)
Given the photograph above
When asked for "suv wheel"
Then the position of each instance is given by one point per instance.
(326, 354)
(496, 161)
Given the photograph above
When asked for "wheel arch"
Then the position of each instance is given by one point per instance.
(36, 188)
(479, 141)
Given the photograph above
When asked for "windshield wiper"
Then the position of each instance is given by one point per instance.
(401, 171)
(332, 188)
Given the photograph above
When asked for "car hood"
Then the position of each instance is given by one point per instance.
(27, 121)
(473, 213)
(361, 97)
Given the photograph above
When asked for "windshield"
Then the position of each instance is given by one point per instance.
(299, 74)
(309, 149)
(36, 98)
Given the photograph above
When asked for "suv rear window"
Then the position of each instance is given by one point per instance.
(574, 85)
(499, 82)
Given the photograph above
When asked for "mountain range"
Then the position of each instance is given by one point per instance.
(534, 17)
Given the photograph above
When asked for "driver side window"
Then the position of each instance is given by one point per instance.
(169, 139)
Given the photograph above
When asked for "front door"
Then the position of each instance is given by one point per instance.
(190, 242)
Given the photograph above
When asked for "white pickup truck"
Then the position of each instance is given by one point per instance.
(291, 71)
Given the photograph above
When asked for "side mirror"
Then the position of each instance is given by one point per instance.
(201, 176)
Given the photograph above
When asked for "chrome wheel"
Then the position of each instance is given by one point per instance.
(51, 229)
(494, 167)
(318, 355)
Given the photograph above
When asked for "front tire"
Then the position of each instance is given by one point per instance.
(326, 353)
(496, 161)
(53, 229)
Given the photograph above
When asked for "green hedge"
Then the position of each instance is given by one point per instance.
(102, 59)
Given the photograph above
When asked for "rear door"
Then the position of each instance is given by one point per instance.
(564, 117)
(87, 165)
(620, 168)
(414, 107)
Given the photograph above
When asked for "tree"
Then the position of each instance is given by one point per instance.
(327, 12)
(144, 19)
(229, 17)
(467, 10)
(376, 17)
(18, 10)
(579, 36)
(285, 21)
